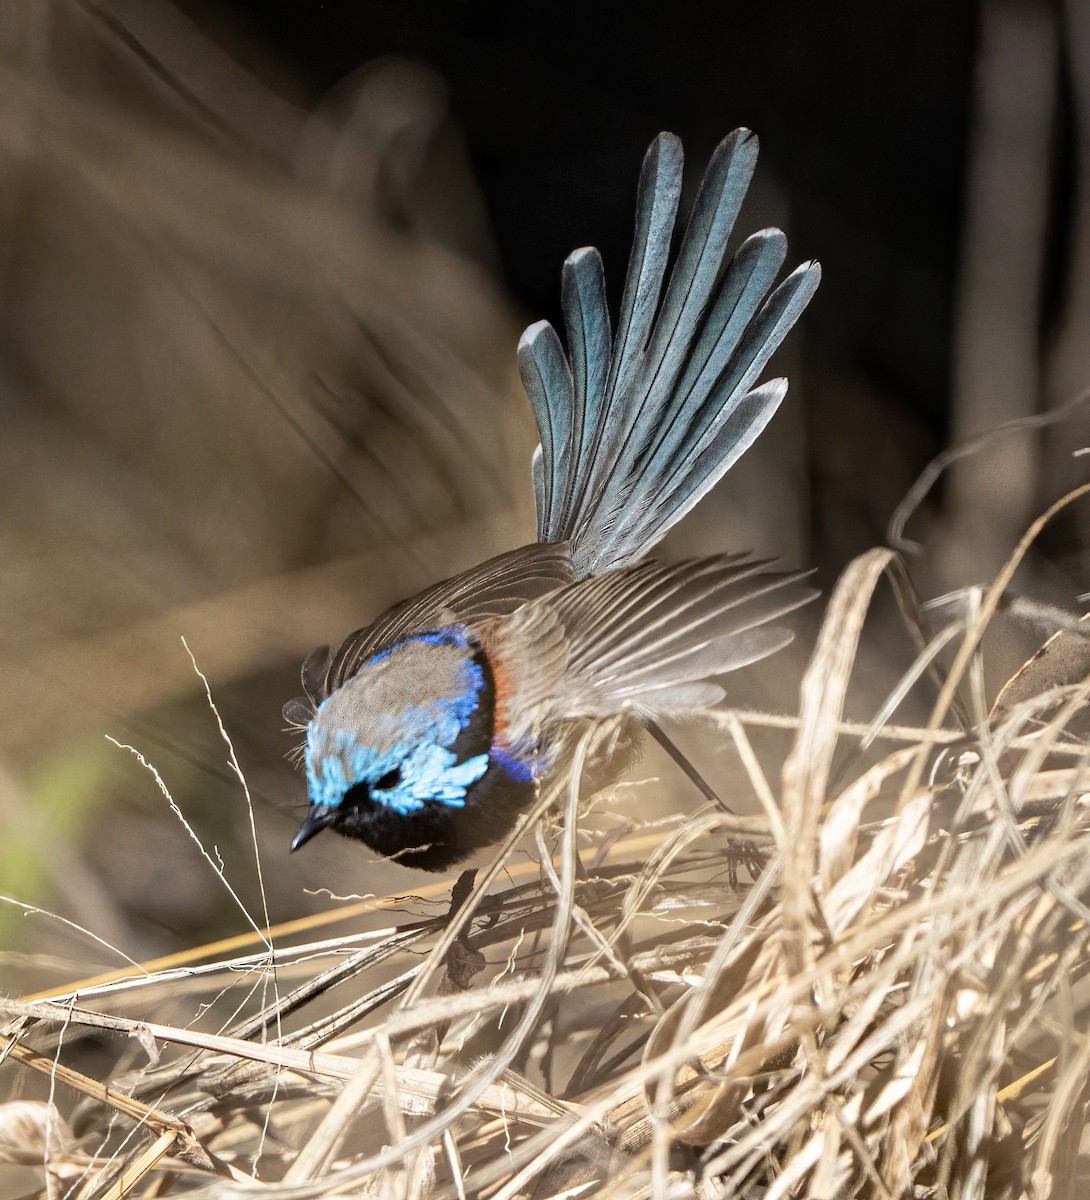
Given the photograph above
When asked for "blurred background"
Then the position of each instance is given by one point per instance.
(263, 267)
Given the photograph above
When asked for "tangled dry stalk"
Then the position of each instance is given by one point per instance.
(874, 988)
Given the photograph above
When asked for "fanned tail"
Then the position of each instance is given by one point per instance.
(636, 428)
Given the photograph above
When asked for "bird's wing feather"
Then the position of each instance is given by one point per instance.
(644, 638)
(489, 591)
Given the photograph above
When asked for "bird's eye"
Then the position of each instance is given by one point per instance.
(390, 780)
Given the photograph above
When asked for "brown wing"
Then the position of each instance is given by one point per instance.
(644, 638)
(495, 588)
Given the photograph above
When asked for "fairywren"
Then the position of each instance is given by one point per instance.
(427, 731)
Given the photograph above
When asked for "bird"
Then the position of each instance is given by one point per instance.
(428, 731)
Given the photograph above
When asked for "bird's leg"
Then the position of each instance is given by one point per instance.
(459, 894)
(694, 775)
(463, 961)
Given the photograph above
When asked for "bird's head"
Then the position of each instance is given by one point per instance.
(410, 730)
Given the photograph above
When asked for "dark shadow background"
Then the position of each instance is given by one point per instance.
(863, 114)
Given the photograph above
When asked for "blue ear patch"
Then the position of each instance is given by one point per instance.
(401, 714)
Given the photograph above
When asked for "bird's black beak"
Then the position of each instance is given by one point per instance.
(317, 820)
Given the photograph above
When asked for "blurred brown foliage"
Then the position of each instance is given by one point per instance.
(249, 399)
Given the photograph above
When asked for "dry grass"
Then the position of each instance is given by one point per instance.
(872, 988)
(875, 988)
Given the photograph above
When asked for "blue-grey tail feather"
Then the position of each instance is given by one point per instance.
(636, 427)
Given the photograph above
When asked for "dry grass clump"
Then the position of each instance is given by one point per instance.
(873, 988)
